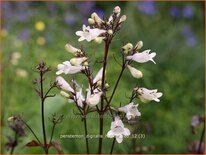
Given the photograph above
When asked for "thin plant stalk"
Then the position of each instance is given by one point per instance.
(12, 149)
(31, 131)
(52, 133)
(42, 113)
(86, 133)
(112, 145)
(101, 112)
(201, 139)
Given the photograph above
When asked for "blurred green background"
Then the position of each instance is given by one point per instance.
(35, 31)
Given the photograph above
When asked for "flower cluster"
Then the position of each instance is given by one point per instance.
(94, 101)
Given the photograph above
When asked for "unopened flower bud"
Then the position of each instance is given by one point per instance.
(126, 48)
(135, 73)
(64, 94)
(96, 18)
(77, 61)
(99, 83)
(136, 89)
(117, 10)
(70, 101)
(110, 19)
(71, 49)
(11, 118)
(122, 19)
(139, 45)
(91, 21)
(98, 40)
(110, 32)
(85, 63)
(106, 85)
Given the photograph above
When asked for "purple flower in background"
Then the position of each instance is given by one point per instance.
(188, 12)
(147, 7)
(191, 41)
(24, 35)
(189, 36)
(6, 6)
(70, 18)
(6, 10)
(186, 31)
(22, 16)
(100, 12)
(22, 5)
(85, 7)
(174, 12)
(52, 7)
(22, 12)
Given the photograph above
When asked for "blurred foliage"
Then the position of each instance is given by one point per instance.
(168, 28)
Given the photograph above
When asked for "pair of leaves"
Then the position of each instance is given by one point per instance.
(54, 144)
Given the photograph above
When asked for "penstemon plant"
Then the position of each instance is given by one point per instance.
(97, 100)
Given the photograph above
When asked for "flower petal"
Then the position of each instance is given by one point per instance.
(126, 132)
(59, 72)
(156, 99)
(98, 76)
(79, 33)
(81, 39)
(110, 134)
(119, 138)
(159, 94)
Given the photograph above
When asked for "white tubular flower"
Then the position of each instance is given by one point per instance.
(122, 18)
(77, 61)
(71, 49)
(118, 130)
(130, 110)
(96, 18)
(63, 84)
(93, 99)
(117, 10)
(135, 72)
(89, 34)
(149, 95)
(98, 77)
(143, 57)
(67, 68)
(80, 98)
